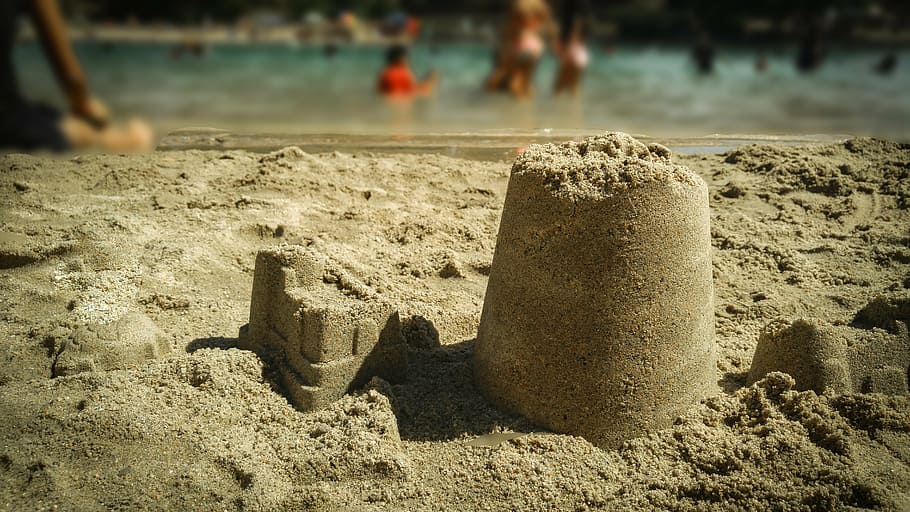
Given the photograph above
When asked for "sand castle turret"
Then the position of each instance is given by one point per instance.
(324, 331)
(598, 318)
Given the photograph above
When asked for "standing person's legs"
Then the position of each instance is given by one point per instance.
(521, 82)
(568, 78)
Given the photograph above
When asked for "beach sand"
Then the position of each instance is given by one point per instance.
(125, 280)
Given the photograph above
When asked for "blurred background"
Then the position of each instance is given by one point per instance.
(653, 67)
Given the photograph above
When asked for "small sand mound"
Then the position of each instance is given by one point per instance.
(834, 358)
(132, 339)
(891, 313)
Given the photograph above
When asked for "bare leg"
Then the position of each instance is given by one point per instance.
(562, 80)
(521, 84)
(568, 79)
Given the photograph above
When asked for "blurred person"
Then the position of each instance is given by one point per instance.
(28, 126)
(761, 63)
(397, 80)
(348, 25)
(394, 24)
(191, 46)
(412, 27)
(887, 64)
(703, 54)
(811, 52)
(571, 50)
(400, 26)
(703, 49)
(521, 48)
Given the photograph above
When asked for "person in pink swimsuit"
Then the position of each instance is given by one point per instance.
(521, 48)
(571, 50)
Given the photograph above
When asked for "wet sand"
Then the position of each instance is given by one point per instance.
(489, 145)
(126, 278)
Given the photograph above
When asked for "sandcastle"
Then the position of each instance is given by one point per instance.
(873, 356)
(325, 332)
(598, 318)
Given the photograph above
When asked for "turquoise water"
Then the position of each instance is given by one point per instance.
(645, 90)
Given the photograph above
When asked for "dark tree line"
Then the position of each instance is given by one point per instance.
(636, 18)
(229, 10)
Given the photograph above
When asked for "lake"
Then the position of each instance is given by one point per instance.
(649, 90)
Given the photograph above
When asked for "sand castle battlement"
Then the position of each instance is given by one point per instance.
(325, 331)
(598, 318)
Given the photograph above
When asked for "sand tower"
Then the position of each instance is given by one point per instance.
(598, 319)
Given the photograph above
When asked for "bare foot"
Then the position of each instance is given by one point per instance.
(135, 136)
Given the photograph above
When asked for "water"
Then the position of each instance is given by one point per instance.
(644, 90)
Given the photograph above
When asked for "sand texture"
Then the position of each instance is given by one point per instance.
(125, 280)
(598, 318)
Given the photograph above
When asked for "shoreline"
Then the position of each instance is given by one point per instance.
(483, 145)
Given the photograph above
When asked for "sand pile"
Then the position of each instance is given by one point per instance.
(824, 357)
(598, 318)
(93, 241)
(770, 446)
(131, 339)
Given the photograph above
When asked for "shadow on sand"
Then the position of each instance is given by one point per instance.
(436, 400)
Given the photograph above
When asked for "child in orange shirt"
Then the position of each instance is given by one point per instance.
(397, 80)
